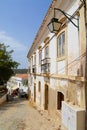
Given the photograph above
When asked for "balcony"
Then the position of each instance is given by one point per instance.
(45, 65)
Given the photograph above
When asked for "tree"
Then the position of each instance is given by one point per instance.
(6, 63)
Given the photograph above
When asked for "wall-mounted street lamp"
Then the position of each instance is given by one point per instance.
(55, 24)
(54, 27)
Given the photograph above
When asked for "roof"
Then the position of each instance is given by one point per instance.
(42, 25)
(23, 76)
(50, 13)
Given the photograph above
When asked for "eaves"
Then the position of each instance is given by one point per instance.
(43, 30)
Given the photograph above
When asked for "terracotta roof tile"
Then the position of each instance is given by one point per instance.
(23, 76)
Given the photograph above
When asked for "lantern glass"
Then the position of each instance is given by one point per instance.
(54, 25)
(50, 26)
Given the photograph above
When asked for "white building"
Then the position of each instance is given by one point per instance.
(18, 81)
(57, 65)
(14, 83)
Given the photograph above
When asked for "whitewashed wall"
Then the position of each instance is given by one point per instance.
(73, 44)
(52, 54)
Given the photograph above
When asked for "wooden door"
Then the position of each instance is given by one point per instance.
(46, 97)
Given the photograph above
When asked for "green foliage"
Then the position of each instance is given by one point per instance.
(21, 71)
(6, 63)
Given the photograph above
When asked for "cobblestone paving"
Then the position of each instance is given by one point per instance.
(18, 115)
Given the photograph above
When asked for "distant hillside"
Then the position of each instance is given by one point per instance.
(20, 71)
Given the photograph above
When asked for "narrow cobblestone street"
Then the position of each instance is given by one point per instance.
(19, 115)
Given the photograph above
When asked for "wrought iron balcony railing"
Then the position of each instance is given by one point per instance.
(45, 65)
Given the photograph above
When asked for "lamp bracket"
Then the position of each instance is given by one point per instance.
(68, 16)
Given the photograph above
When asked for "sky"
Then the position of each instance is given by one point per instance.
(19, 23)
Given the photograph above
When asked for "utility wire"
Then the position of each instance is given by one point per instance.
(81, 56)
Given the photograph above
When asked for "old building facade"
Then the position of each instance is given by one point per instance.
(57, 65)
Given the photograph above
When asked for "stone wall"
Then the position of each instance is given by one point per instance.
(3, 99)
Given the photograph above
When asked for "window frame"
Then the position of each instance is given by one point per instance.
(46, 45)
(40, 56)
(35, 59)
(61, 56)
(46, 55)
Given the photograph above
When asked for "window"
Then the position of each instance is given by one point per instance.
(29, 62)
(40, 57)
(47, 52)
(32, 60)
(31, 80)
(35, 59)
(61, 45)
(39, 86)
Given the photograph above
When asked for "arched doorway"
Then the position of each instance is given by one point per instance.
(46, 97)
(60, 98)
